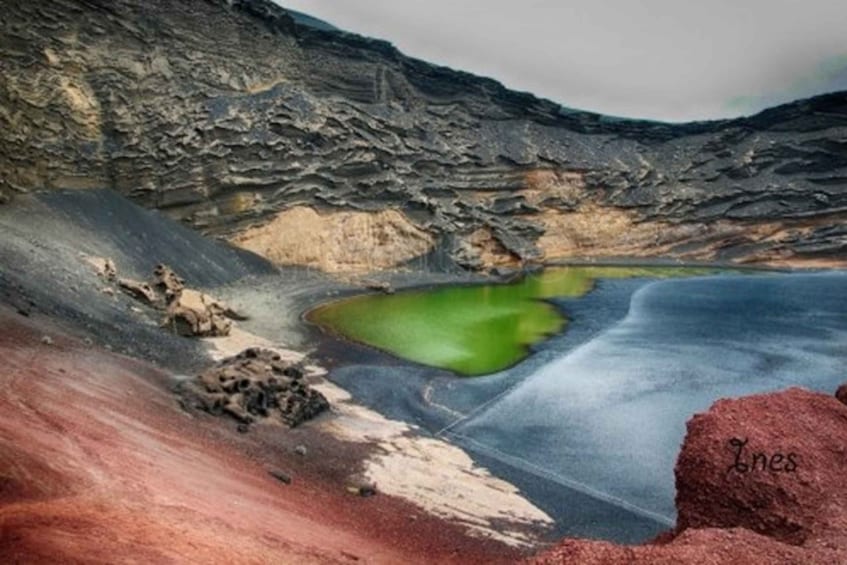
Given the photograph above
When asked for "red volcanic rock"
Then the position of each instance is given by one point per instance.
(841, 393)
(772, 463)
(708, 546)
(760, 479)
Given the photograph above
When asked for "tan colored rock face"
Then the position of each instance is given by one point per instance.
(490, 250)
(567, 186)
(337, 242)
(193, 313)
(594, 230)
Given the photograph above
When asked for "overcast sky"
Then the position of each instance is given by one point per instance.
(671, 60)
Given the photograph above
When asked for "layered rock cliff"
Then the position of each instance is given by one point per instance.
(227, 113)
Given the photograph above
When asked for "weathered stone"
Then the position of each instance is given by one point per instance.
(253, 385)
(379, 286)
(193, 313)
(167, 281)
(110, 272)
(140, 291)
(281, 476)
(772, 463)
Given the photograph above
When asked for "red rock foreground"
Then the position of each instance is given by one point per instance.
(99, 465)
(760, 479)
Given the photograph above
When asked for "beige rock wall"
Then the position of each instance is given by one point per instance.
(337, 242)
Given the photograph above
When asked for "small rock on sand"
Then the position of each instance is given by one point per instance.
(281, 476)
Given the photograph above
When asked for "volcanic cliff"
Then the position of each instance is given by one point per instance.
(232, 117)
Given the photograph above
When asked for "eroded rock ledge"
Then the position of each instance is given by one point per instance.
(760, 479)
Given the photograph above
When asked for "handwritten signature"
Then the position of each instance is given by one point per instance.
(747, 461)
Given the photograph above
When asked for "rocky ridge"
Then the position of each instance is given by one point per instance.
(225, 114)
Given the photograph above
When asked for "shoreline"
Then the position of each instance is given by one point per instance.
(319, 331)
(368, 367)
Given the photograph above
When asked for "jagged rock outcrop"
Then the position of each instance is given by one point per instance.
(140, 291)
(226, 113)
(188, 312)
(167, 281)
(255, 384)
(193, 313)
(759, 478)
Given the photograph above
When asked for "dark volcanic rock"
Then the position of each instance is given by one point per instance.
(168, 104)
(255, 384)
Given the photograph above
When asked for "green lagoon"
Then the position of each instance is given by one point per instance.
(471, 330)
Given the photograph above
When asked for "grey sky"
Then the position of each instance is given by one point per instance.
(671, 60)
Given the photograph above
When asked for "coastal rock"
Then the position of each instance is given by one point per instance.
(188, 312)
(710, 546)
(379, 286)
(255, 384)
(759, 478)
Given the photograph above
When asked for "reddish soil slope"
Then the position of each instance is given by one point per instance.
(98, 464)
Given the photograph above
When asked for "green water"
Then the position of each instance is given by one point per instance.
(471, 330)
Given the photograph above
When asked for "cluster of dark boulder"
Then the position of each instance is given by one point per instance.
(253, 385)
